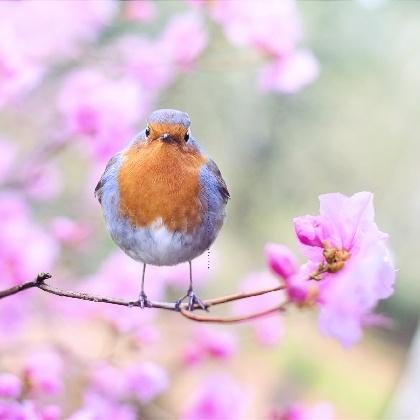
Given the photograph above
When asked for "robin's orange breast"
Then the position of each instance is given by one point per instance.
(158, 180)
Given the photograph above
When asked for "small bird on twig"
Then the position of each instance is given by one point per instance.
(163, 199)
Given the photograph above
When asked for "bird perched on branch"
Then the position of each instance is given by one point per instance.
(162, 198)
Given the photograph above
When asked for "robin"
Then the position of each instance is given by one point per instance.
(162, 198)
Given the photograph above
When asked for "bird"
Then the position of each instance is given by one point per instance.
(163, 198)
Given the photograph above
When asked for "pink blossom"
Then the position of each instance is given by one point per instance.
(10, 385)
(184, 39)
(140, 10)
(274, 29)
(211, 342)
(25, 249)
(144, 60)
(43, 182)
(8, 154)
(99, 407)
(13, 312)
(281, 260)
(218, 397)
(310, 230)
(298, 411)
(43, 370)
(353, 265)
(289, 73)
(217, 343)
(13, 410)
(108, 380)
(18, 73)
(120, 276)
(50, 412)
(55, 29)
(102, 110)
(147, 334)
(70, 232)
(146, 380)
(269, 330)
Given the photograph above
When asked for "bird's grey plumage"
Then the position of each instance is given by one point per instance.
(170, 116)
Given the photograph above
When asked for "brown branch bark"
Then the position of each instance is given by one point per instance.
(233, 319)
(40, 283)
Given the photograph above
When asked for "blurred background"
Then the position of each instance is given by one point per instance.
(292, 100)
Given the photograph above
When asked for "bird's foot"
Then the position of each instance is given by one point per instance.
(193, 301)
(144, 302)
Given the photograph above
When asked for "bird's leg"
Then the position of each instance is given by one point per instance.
(193, 299)
(143, 301)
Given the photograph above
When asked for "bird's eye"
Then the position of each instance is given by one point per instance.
(147, 131)
(187, 136)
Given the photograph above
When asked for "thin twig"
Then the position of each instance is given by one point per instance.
(28, 285)
(233, 319)
(40, 283)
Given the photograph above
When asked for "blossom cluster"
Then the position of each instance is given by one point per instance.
(274, 31)
(349, 267)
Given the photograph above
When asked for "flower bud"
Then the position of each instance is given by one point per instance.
(281, 260)
(309, 230)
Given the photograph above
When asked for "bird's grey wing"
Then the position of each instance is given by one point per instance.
(221, 184)
(104, 177)
(112, 163)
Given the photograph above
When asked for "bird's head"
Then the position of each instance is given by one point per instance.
(168, 126)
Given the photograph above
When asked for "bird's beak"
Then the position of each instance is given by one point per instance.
(166, 138)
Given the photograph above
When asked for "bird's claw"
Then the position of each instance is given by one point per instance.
(144, 301)
(193, 301)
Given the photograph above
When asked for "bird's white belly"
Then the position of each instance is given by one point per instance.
(157, 245)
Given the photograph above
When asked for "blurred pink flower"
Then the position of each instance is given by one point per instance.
(283, 263)
(281, 260)
(184, 39)
(349, 257)
(147, 334)
(55, 29)
(10, 386)
(13, 312)
(70, 232)
(144, 60)
(13, 410)
(43, 369)
(274, 29)
(18, 74)
(108, 381)
(140, 10)
(211, 342)
(298, 411)
(145, 381)
(102, 110)
(43, 182)
(50, 412)
(25, 249)
(269, 330)
(289, 73)
(120, 276)
(218, 397)
(99, 407)
(8, 154)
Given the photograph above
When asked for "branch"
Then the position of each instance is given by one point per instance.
(40, 283)
(233, 319)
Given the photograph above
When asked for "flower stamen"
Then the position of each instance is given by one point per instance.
(335, 260)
